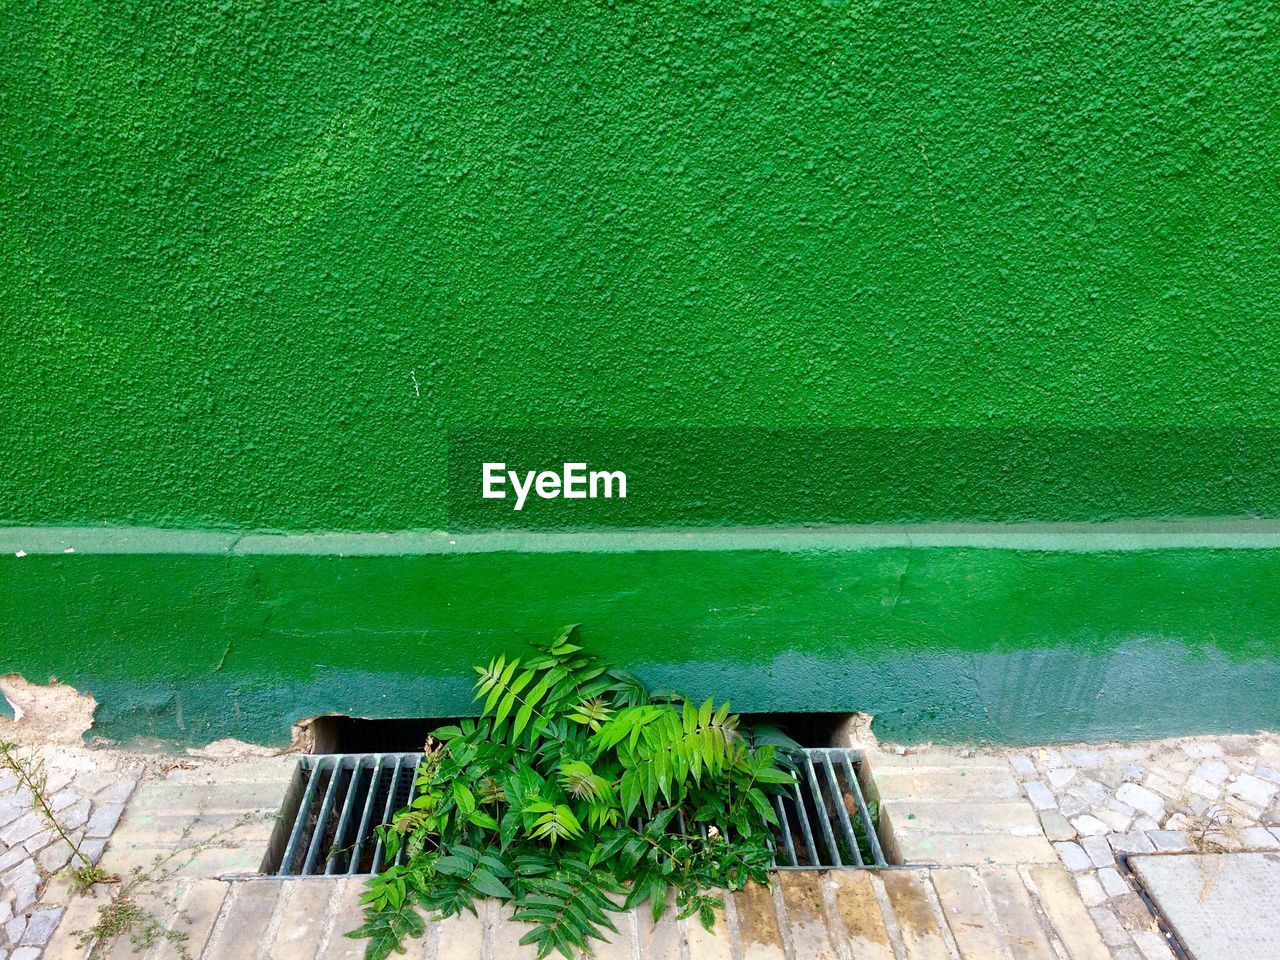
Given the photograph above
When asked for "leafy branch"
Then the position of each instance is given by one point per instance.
(576, 794)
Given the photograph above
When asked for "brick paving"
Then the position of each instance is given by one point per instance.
(911, 913)
(88, 791)
(1203, 794)
(994, 873)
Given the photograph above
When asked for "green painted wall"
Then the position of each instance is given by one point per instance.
(232, 236)
(302, 267)
(958, 642)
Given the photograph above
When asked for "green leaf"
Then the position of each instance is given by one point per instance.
(464, 798)
(454, 866)
(489, 885)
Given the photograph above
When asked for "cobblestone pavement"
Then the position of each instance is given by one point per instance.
(1009, 848)
(88, 791)
(1097, 804)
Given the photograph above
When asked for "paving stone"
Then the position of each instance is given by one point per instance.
(1055, 826)
(24, 881)
(1089, 826)
(968, 849)
(1145, 824)
(1221, 906)
(974, 929)
(55, 856)
(1152, 945)
(23, 829)
(15, 927)
(1169, 841)
(1060, 777)
(759, 934)
(1259, 838)
(1132, 912)
(1085, 757)
(1164, 788)
(92, 849)
(303, 916)
(1115, 822)
(1022, 765)
(1022, 932)
(1109, 778)
(38, 841)
(120, 791)
(1202, 788)
(980, 784)
(1070, 806)
(1135, 842)
(1112, 930)
(461, 938)
(10, 858)
(245, 771)
(1267, 773)
(246, 915)
(11, 808)
(81, 913)
(1113, 884)
(805, 912)
(1067, 914)
(1073, 856)
(199, 902)
(505, 934)
(104, 820)
(1214, 772)
(909, 895)
(1090, 790)
(1041, 797)
(347, 914)
(1090, 890)
(26, 953)
(1140, 798)
(6, 911)
(861, 916)
(1099, 851)
(40, 926)
(76, 816)
(1013, 819)
(1253, 790)
(704, 944)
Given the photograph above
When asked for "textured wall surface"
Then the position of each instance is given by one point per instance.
(947, 643)
(257, 261)
(303, 267)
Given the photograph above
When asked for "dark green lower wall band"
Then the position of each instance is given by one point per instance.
(963, 639)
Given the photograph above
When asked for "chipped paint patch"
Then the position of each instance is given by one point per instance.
(56, 713)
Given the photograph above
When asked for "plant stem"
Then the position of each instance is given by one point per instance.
(36, 785)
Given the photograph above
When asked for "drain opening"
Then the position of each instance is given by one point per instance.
(328, 823)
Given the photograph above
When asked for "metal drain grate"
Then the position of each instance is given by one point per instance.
(826, 821)
(337, 800)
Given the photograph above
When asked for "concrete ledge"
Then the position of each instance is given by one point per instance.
(959, 640)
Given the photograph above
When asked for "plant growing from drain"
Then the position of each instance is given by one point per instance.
(575, 795)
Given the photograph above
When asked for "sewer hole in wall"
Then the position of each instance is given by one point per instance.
(341, 734)
(328, 821)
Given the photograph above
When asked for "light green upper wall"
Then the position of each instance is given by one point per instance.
(232, 236)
